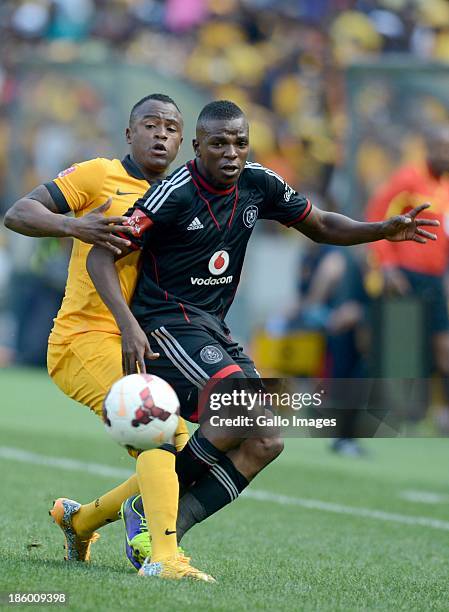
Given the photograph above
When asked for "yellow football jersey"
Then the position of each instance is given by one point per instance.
(80, 189)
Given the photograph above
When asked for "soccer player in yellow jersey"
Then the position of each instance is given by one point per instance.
(84, 350)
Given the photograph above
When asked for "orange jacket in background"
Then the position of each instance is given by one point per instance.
(406, 189)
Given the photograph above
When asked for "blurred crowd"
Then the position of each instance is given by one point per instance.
(281, 60)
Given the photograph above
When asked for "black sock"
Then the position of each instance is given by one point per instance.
(222, 485)
(196, 458)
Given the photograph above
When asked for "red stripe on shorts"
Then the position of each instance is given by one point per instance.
(211, 383)
(227, 371)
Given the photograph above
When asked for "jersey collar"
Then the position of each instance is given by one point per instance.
(191, 165)
(132, 168)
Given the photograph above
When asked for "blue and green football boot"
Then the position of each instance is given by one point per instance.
(138, 544)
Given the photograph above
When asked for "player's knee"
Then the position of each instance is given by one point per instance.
(263, 450)
(272, 447)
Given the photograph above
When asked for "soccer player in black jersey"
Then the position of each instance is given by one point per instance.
(193, 228)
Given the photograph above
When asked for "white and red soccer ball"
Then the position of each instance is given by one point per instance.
(141, 411)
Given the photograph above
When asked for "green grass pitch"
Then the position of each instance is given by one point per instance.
(266, 554)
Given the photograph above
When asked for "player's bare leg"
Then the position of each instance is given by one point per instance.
(254, 454)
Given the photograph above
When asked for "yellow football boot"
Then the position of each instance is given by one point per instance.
(176, 568)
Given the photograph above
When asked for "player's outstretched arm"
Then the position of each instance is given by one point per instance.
(333, 228)
(38, 215)
(135, 346)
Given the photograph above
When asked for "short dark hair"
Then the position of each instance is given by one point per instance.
(220, 109)
(155, 96)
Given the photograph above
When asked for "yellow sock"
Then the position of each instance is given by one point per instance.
(159, 488)
(104, 509)
(181, 434)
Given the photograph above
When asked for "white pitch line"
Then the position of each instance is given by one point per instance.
(424, 497)
(74, 465)
(63, 463)
(315, 504)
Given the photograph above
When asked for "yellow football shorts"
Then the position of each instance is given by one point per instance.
(86, 369)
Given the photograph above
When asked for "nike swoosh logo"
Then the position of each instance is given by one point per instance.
(122, 193)
(167, 532)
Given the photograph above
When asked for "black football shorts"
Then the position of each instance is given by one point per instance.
(191, 355)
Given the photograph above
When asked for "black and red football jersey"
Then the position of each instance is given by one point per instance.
(194, 237)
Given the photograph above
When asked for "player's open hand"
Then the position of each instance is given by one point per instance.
(97, 228)
(135, 349)
(408, 227)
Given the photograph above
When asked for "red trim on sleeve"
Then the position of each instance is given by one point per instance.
(302, 216)
(131, 245)
(139, 222)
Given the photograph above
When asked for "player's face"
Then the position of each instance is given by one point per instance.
(222, 148)
(155, 136)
